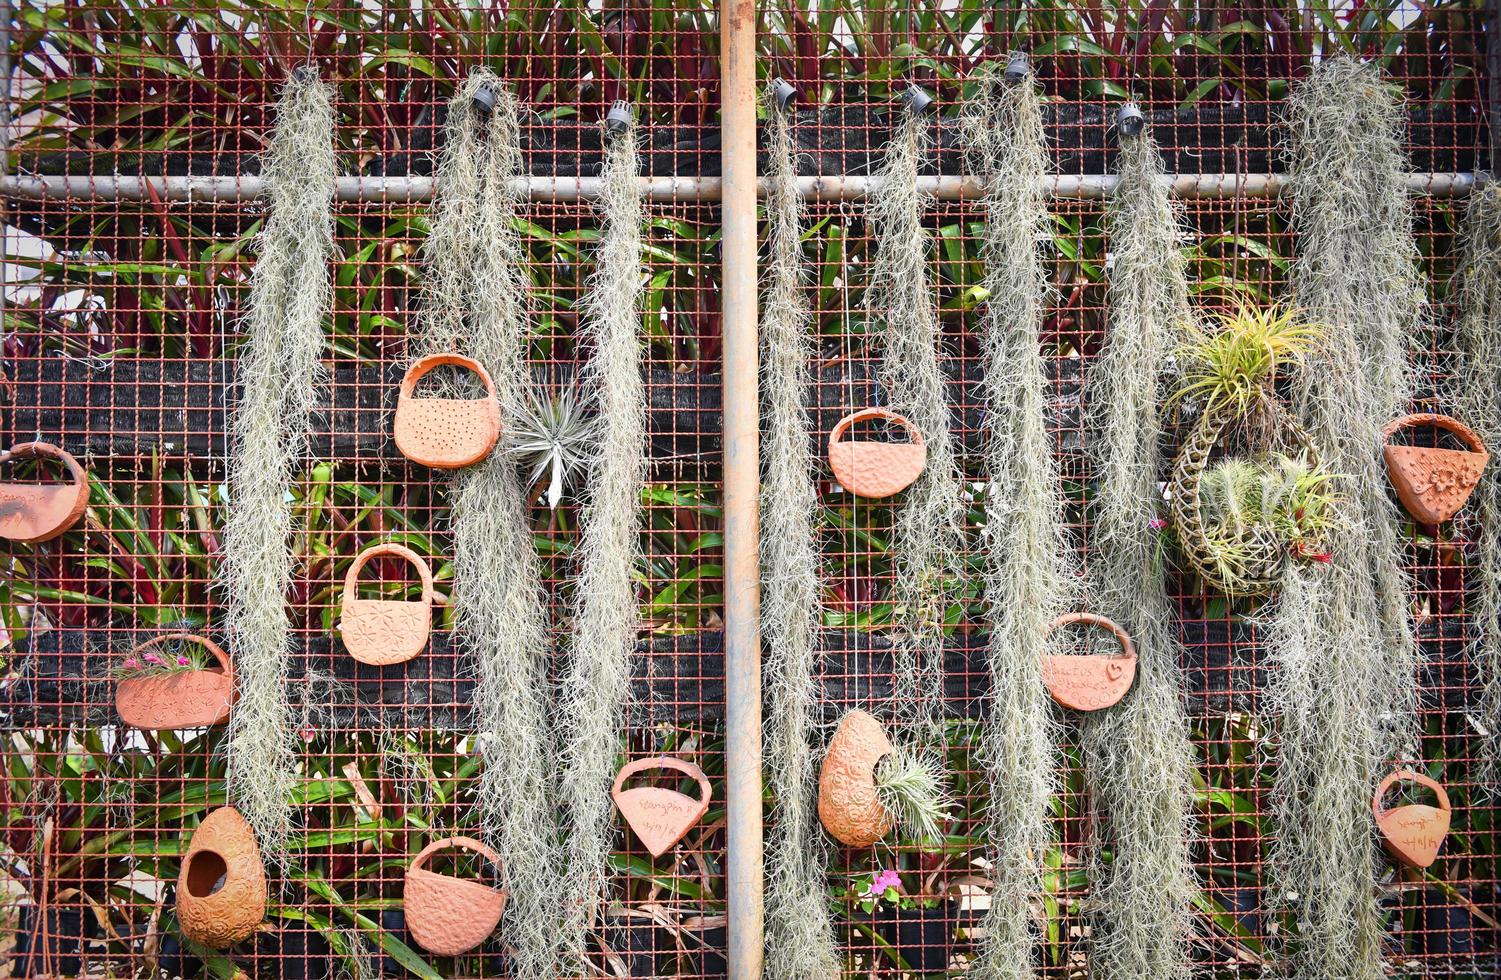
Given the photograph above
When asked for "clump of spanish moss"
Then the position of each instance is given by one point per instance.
(799, 933)
(1137, 754)
(475, 302)
(279, 370)
(910, 785)
(1028, 563)
(605, 616)
(1341, 637)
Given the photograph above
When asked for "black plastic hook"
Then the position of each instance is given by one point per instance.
(618, 119)
(783, 93)
(1017, 67)
(1130, 121)
(483, 100)
(916, 99)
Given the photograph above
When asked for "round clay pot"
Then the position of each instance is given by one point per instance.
(221, 890)
(1433, 483)
(847, 801)
(446, 433)
(447, 915)
(1412, 833)
(180, 699)
(385, 631)
(876, 469)
(659, 816)
(1087, 683)
(35, 512)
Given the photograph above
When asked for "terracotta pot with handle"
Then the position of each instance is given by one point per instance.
(1088, 683)
(32, 513)
(1412, 833)
(177, 699)
(385, 631)
(848, 804)
(221, 889)
(446, 433)
(1433, 483)
(876, 469)
(447, 915)
(660, 816)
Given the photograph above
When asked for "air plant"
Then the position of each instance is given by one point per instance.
(554, 438)
(910, 785)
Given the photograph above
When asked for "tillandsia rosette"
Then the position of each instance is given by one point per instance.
(1240, 518)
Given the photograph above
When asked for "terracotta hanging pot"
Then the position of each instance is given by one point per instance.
(1088, 683)
(221, 890)
(35, 512)
(1414, 832)
(447, 915)
(177, 699)
(446, 433)
(848, 804)
(876, 469)
(1433, 483)
(659, 816)
(385, 631)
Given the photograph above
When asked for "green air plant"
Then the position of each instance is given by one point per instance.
(605, 616)
(1137, 754)
(910, 786)
(1028, 569)
(475, 302)
(279, 370)
(799, 932)
(1343, 692)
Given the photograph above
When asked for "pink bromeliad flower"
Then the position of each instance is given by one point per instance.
(152, 658)
(183, 661)
(131, 663)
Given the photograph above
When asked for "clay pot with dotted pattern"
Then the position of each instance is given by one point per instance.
(177, 699)
(221, 889)
(876, 469)
(446, 433)
(848, 804)
(1412, 833)
(385, 631)
(660, 816)
(448, 916)
(1089, 683)
(1433, 483)
(32, 513)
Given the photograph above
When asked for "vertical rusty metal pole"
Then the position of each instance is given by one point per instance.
(742, 481)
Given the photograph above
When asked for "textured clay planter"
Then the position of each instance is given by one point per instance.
(35, 512)
(876, 469)
(446, 433)
(1087, 683)
(385, 631)
(659, 816)
(848, 804)
(221, 890)
(1412, 833)
(447, 915)
(178, 699)
(1433, 483)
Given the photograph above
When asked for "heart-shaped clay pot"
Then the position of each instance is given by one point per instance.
(177, 699)
(1087, 683)
(659, 816)
(221, 889)
(35, 512)
(876, 469)
(447, 915)
(446, 433)
(848, 804)
(385, 631)
(1412, 833)
(1433, 483)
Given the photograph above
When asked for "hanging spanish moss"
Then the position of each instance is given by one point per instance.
(605, 614)
(1344, 688)
(799, 932)
(279, 370)
(475, 302)
(1028, 571)
(1137, 755)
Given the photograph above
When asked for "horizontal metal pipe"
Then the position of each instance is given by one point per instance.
(566, 189)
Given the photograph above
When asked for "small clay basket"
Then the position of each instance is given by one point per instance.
(448, 916)
(1087, 683)
(848, 804)
(1412, 833)
(1433, 483)
(876, 469)
(35, 512)
(221, 889)
(446, 433)
(659, 816)
(177, 699)
(385, 631)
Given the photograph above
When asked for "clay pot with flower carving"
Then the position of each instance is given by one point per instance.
(1433, 483)
(848, 803)
(385, 631)
(221, 889)
(163, 688)
(447, 915)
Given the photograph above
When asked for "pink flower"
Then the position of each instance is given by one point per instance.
(307, 732)
(1157, 523)
(184, 661)
(152, 658)
(883, 880)
(131, 663)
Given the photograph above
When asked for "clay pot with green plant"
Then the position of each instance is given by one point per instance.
(868, 786)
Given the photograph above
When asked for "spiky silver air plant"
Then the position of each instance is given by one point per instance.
(1341, 636)
(279, 370)
(1028, 565)
(554, 437)
(799, 933)
(475, 301)
(1137, 755)
(606, 616)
